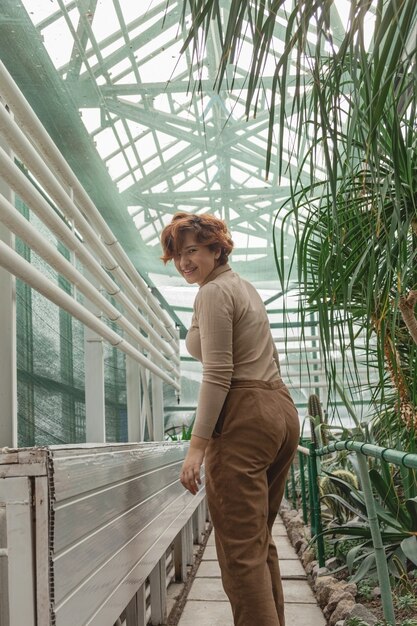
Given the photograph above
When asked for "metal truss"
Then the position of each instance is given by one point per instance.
(172, 143)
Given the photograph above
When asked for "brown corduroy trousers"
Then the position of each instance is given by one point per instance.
(247, 460)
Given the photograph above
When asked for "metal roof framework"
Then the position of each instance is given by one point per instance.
(144, 127)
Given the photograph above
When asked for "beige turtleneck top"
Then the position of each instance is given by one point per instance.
(230, 335)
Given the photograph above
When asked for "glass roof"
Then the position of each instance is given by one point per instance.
(169, 141)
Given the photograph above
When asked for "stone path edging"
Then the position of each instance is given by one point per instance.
(336, 598)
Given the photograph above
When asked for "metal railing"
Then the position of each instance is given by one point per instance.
(118, 306)
(309, 455)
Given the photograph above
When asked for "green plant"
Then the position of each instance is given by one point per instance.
(398, 523)
(406, 601)
(355, 621)
(365, 587)
(328, 550)
(327, 487)
(341, 548)
(356, 243)
(317, 423)
(184, 435)
(350, 125)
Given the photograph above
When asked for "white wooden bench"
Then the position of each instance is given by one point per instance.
(86, 531)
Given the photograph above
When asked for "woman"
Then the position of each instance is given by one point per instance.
(246, 428)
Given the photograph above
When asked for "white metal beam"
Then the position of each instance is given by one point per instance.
(133, 389)
(23, 229)
(157, 408)
(16, 497)
(95, 403)
(95, 225)
(25, 271)
(95, 406)
(8, 382)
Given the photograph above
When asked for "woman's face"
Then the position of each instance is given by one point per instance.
(195, 261)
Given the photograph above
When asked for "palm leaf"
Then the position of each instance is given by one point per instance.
(409, 547)
(345, 504)
(356, 249)
(411, 505)
(367, 564)
(389, 498)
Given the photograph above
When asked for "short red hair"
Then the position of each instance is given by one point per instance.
(208, 230)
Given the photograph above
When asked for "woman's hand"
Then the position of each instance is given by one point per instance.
(191, 469)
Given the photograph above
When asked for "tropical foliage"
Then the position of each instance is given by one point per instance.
(397, 516)
(328, 488)
(343, 103)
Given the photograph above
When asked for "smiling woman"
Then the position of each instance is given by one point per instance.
(246, 427)
(195, 261)
(207, 230)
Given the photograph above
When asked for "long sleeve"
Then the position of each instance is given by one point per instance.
(231, 336)
(276, 357)
(214, 313)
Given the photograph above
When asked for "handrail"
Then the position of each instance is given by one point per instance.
(396, 457)
(28, 120)
(22, 228)
(390, 455)
(146, 334)
(18, 266)
(362, 450)
(35, 201)
(26, 152)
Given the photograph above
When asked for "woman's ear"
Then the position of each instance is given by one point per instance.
(217, 254)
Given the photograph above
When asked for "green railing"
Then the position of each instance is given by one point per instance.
(309, 454)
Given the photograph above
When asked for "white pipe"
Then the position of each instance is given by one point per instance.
(287, 364)
(28, 120)
(121, 256)
(30, 195)
(27, 153)
(304, 349)
(298, 339)
(303, 387)
(305, 338)
(16, 265)
(299, 374)
(23, 229)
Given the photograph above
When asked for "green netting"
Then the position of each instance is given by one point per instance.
(50, 364)
(115, 393)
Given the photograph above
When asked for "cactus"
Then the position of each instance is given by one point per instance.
(316, 414)
(328, 487)
(314, 406)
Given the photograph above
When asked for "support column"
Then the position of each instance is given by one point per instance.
(16, 499)
(157, 581)
(146, 412)
(201, 522)
(180, 556)
(95, 407)
(189, 541)
(141, 605)
(8, 375)
(157, 408)
(136, 609)
(133, 400)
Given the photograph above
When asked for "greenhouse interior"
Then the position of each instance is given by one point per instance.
(294, 122)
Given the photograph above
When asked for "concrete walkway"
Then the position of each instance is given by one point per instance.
(207, 604)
